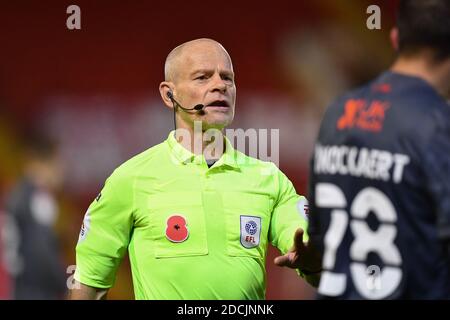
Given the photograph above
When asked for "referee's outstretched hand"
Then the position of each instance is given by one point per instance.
(302, 256)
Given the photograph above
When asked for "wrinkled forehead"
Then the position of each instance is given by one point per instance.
(202, 56)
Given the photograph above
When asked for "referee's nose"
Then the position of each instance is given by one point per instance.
(218, 84)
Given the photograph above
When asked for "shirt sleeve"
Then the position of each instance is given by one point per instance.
(437, 171)
(105, 234)
(286, 216)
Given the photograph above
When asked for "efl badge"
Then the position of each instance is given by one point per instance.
(176, 230)
(250, 231)
(303, 208)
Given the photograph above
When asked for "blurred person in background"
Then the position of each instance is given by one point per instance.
(380, 173)
(31, 250)
(196, 224)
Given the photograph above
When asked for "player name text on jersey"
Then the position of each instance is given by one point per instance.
(360, 162)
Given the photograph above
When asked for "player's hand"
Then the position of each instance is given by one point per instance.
(302, 256)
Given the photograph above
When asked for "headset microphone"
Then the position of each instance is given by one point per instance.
(199, 107)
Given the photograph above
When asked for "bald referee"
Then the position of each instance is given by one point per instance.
(196, 224)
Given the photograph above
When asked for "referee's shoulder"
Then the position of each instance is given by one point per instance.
(251, 163)
(133, 166)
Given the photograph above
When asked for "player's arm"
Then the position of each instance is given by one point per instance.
(289, 233)
(436, 157)
(84, 292)
(104, 238)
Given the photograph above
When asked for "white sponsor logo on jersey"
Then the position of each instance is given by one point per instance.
(303, 208)
(85, 226)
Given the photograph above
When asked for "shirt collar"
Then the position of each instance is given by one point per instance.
(182, 156)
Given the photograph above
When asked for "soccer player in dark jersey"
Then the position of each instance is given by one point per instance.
(380, 173)
(31, 245)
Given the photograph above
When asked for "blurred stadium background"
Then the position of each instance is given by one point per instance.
(95, 90)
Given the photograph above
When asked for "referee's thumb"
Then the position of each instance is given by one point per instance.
(283, 261)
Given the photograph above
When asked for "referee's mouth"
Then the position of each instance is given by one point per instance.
(219, 104)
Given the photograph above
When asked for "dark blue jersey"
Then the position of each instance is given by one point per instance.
(31, 246)
(380, 192)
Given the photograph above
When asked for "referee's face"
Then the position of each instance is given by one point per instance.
(205, 75)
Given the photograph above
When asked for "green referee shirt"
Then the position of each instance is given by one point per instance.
(192, 232)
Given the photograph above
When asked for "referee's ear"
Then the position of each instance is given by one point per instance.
(164, 88)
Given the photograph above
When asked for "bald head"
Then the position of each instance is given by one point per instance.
(200, 72)
(179, 54)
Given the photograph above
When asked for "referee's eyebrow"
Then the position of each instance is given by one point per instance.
(226, 72)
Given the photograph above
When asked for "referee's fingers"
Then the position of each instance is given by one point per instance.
(298, 240)
(283, 261)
